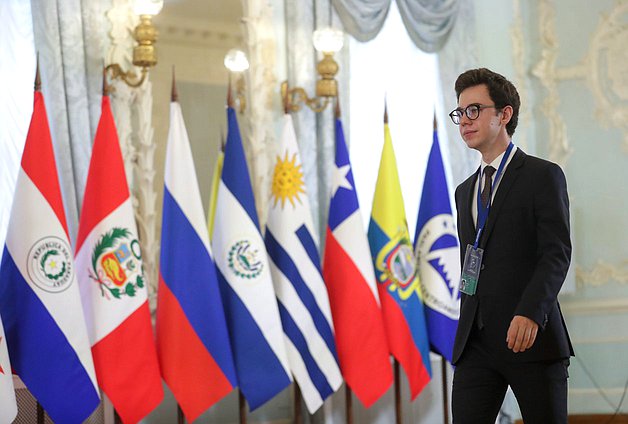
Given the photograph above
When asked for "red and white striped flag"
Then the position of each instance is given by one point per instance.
(111, 279)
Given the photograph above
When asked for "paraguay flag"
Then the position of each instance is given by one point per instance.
(40, 302)
(438, 256)
(348, 273)
(111, 278)
(245, 282)
(192, 340)
(395, 268)
(295, 269)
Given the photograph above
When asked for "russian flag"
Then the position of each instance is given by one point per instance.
(113, 287)
(245, 282)
(192, 339)
(40, 302)
(348, 273)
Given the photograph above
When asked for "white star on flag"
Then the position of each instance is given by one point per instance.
(340, 179)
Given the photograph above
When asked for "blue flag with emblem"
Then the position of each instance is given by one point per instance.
(245, 281)
(437, 250)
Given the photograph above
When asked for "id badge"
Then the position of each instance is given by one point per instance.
(471, 270)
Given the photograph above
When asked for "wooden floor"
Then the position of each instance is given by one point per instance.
(594, 419)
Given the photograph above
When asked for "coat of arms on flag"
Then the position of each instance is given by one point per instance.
(116, 264)
(438, 256)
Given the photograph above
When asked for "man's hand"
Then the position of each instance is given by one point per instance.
(521, 333)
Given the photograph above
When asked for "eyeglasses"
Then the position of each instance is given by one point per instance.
(472, 111)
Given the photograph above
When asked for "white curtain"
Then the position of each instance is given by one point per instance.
(17, 77)
(428, 22)
(69, 36)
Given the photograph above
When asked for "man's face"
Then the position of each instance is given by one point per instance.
(481, 133)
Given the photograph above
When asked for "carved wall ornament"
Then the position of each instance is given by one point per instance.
(607, 69)
(135, 105)
(547, 73)
(602, 273)
(604, 67)
(517, 41)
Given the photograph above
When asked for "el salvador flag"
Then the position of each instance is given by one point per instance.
(295, 267)
(40, 302)
(192, 340)
(245, 281)
(438, 256)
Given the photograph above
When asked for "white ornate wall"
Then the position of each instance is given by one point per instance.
(570, 62)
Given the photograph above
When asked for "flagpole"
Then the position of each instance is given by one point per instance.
(445, 391)
(41, 414)
(397, 394)
(242, 405)
(180, 416)
(297, 404)
(349, 404)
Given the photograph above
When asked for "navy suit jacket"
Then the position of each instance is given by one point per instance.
(527, 251)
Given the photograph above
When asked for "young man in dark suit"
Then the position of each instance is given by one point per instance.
(513, 225)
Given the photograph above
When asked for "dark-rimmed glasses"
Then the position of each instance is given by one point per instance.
(472, 111)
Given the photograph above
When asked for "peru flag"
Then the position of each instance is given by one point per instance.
(348, 273)
(40, 301)
(192, 338)
(111, 279)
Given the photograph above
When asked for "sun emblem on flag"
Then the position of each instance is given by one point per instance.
(287, 180)
(244, 260)
(50, 264)
(117, 264)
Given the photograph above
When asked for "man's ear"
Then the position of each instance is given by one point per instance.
(506, 114)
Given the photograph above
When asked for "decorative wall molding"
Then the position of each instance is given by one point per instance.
(545, 70)
(600, 307)
(188, 31)
(602, 273)
(144, 193)
(604, 67)
(518, 43)
(262, 90)
(607, 69)
(139, 156)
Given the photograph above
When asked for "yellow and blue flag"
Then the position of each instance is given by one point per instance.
(397, 279)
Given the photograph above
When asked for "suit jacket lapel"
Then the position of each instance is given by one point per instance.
(511, 174)
(467, 218)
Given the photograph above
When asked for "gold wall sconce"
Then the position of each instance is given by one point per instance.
(236, 62)
(328, 41)
(144, 54)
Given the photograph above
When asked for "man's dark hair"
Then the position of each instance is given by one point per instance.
(502, 92)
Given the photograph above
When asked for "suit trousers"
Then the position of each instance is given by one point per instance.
(481, 380)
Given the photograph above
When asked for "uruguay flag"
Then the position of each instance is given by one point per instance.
(295, 269)
(438, 256)
(245, 281)
(192, 339)
(348, 273)
(40, 302)
(398, 283)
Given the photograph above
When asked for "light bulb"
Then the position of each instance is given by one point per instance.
(328, 40)
(236, 61)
